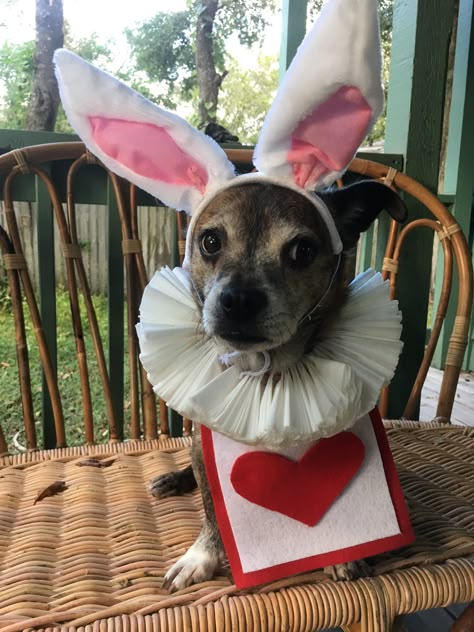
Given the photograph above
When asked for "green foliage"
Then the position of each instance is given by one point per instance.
(163, 51)
(162, 65)
(314, 7)
(5, 300)
(385, 15)
(246, 96)
(386, 18)
(90, 48)
(16, 77)
(163, 48)
(246, 18)
(68, 374)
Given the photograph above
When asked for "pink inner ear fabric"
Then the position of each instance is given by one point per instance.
(149, 151)
(327, 139)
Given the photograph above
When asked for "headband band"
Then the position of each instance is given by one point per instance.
(253, 178)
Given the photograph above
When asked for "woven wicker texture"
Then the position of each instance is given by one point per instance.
(95, 554)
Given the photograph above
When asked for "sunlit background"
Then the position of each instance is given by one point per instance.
(151, 46)
(103, 23)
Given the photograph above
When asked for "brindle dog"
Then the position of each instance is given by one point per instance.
(261, 260)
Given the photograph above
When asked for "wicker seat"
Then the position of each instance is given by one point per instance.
(90, 552)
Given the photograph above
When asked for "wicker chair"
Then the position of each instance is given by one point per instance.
(91, 554)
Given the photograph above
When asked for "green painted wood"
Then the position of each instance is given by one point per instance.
(47, 298)
(365, 250)
(24, 189)
(469, 355)
(373, 244)
(447, 198)
(383, 226)
(116, 309)
(90, 185)
(368, 256)
(293, 31)
(460, 164)
(421, 33)
(91, 182)
(175, 420)
(18, 138)
(387, 158)
(456, 114)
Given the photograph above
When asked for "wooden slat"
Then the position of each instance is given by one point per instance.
(115, 305)
(460, 156)
(293, 31)
(154, 228)
(416, 94)
(47, 297)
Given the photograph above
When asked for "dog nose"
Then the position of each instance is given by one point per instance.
(242, 304)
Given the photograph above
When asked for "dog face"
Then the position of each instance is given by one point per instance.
(261, 259)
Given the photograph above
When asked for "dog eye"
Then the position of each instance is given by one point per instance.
(210, 243)
(302, 253)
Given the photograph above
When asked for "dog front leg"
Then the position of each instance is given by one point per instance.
(174, 483)
(200, 562)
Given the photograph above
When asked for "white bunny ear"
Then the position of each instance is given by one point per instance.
(329, 99)
(158, 151)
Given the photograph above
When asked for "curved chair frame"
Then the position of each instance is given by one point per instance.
(86, 548)
(15, 163)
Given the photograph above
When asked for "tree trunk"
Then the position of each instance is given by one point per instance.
(44, 102)
(209, 81)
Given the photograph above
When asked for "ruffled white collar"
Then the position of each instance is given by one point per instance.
(322, 394)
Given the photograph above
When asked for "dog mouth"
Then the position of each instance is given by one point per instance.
(239, 337)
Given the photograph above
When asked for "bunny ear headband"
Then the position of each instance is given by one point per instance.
(327, 103)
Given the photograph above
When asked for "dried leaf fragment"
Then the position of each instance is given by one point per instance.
(55, 488)
(92, 462)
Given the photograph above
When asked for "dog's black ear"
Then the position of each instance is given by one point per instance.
(355, 207)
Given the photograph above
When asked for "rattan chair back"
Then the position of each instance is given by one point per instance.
(143, 412)
(143, 408)
(455, 249)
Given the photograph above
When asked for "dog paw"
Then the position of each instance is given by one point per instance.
(173, 483)
(346, 572)
(165, 485)
(197, 565)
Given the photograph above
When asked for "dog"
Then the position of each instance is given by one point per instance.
(267, 260)
(261, 259)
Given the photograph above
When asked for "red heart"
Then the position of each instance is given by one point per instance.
(305, 489)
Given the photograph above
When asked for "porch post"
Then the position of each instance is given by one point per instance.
(459, 174)
(292, 32)
(421, 35)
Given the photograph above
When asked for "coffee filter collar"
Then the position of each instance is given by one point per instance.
(322, 394)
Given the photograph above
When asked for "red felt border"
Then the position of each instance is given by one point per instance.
(357, 552)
